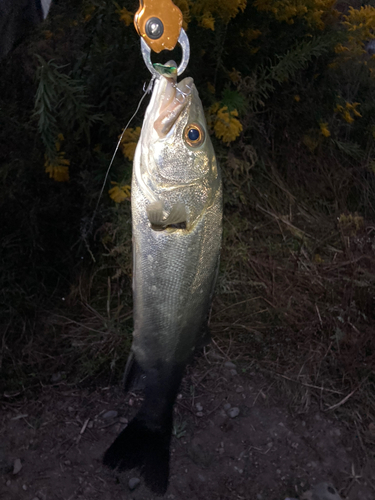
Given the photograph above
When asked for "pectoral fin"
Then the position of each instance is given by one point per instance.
(155, 213)
(176, 217)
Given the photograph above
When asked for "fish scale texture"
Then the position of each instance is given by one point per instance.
(173, 283)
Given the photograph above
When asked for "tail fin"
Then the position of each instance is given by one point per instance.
(140, 446)
(144, 443)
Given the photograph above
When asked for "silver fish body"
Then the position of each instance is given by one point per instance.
(174, 269)
(177, 225)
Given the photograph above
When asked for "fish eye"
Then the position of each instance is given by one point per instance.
(194, 135)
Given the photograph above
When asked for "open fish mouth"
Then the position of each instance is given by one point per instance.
(173, 98)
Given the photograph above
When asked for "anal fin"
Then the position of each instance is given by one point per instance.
(134, 378)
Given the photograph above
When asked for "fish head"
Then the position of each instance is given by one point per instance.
(175, 131)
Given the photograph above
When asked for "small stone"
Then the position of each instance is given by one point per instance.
(67, 462)
(227, 406)
(199, 407)
(133, 483)
(201, 478)
(335, 432)
(17, 466)
(9, 482)
(110, 414)
(215, 355)
(199, 414)
(229, 364)
(325, 491)
(90, 425)
(233, 372)
(24, 487)
(123, 420)
(233, 412)
(56, 377)
(239, 389)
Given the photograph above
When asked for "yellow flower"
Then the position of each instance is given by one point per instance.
(119, 193)
(208, 21)
(223, 9)
(129, 142)
(340, 48)
(125, 16)
(48, 34)
(352, 106)
(210, 88)
(310, 141)
(347, 116)
(315, 12)
(349, 111)
(57, 167)
(251, 34)
(235, 75)
(88, 12)
(59, 141)
(361, 21)
(226, 126)
(297, 98)
(324, 129)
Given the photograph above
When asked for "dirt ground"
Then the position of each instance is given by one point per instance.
(235, 437)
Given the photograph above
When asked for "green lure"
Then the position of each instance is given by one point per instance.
(166, 70)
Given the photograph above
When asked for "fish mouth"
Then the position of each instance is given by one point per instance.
(173, 98)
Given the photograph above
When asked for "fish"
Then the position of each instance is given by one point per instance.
(176, 206)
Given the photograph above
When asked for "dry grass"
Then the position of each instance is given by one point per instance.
(296, 296)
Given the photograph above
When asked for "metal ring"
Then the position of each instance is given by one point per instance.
(185, 46)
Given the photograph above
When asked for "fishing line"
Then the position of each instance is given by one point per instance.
(148, 89)
(86, 230)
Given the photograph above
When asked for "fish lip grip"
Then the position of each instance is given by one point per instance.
(159, 24)
(182, 40)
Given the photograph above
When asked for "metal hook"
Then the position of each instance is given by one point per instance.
(185, 46)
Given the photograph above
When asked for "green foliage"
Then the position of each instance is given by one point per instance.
(298, 57)
(61, 105)
(234, 100)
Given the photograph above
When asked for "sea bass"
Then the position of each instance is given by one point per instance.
(177, 226)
